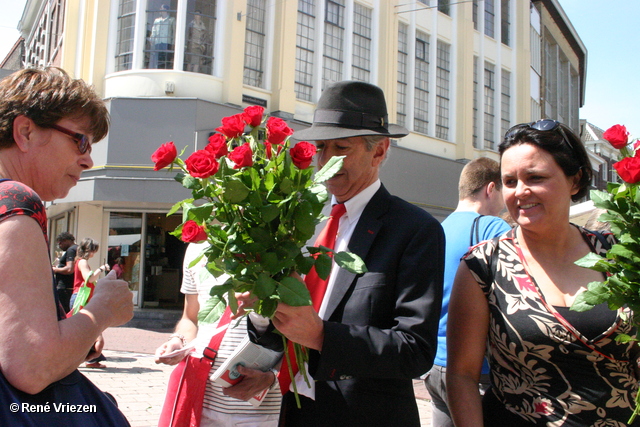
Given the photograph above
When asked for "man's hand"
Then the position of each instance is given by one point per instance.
(246, 300)
(300, 324)
(253, 383)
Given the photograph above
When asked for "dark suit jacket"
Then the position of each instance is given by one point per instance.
(381, 327)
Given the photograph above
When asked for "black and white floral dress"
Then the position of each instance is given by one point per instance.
(545, 369)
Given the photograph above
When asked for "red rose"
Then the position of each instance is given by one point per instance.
(232, 126)
(253, 115)
(193, 233)
(302, 154)
(202, 164)
(617, 136)
(217, 145)
(629, 168)
(268, 149)
(277, 130)
(242, 156)
(164, 156)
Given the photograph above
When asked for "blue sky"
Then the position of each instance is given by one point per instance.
(608, 29)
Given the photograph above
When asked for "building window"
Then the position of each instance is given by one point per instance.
(361, 43)
(421, 100)
(563, 95)
(305, 36)
(550, 107)
(575, 100)
(403, 56)
(475, 14)
(333, 42)
(443, 6)
(56, 28)
(254, 43)
(489, 105)
(442, 90)
(201, 16)
(489, 18)
(505, 24)
(161, 30)
(475, 103)
(505, 113)
(126, 31)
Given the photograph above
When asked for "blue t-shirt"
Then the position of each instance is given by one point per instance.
(457, 231)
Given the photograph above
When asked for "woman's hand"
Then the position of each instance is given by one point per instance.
(253, 383)
(173, 344)
(112, 299)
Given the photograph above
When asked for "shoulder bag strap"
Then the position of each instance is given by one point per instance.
(475, 227)
(211, 350)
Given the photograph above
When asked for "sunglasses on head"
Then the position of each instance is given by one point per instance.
(544, 125)
(81, 140)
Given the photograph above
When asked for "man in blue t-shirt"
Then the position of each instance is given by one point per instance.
(474, 220)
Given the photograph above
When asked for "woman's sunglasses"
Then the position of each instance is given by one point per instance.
(544, 125)
(81, 140)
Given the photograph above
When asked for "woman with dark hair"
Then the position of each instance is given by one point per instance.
(83, 273)
(512, 295)
(48, 122)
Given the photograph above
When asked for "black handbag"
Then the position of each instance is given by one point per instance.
(71, 401)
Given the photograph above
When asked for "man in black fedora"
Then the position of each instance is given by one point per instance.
(371, 333)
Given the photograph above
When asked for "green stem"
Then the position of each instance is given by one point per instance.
(293, 380)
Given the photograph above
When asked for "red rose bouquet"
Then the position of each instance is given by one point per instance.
(622, 204)
(257, 203)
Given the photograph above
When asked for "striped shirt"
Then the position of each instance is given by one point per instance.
(192, 284)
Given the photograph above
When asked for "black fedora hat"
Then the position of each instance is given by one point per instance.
(350, 108)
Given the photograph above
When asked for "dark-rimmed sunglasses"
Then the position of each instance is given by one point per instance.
(545, 125)
(81, 140)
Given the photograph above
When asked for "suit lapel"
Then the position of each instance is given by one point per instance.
(363, 237)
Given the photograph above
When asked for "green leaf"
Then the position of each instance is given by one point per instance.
(329, 169)
(235, 191)
(269, 212)
(265, 286)
(304, 263)
(178, 206)
(212, 310)
(304, 218)
(323, 265)
(262, 236)
(350, 262)
(293, 292)
(589, 260)
(286, 186)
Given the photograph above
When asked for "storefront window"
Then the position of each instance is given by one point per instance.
(125, 232)
(164, 254)
(161, 34)
(198, 50)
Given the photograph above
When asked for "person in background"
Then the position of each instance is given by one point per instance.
(162, 38)
(64, 268)
(369, 334)
(48, 122)
(83, 273)
(474, 220)
(222, 406)
(196, 42)
(117, 267)
(511, 299)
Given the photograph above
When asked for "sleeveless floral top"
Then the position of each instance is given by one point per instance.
(19, 199)
(545, 372)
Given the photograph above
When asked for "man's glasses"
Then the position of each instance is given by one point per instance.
(82, 140)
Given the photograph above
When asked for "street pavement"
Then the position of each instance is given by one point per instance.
(139, 384)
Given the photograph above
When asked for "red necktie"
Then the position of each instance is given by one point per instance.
(317, 287)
